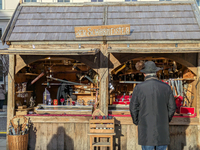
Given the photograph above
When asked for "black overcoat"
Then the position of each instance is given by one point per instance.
(152, 107)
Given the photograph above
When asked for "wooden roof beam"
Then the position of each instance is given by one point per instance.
(88, 51)
(153, 42)
(56, 42)
(153, 50)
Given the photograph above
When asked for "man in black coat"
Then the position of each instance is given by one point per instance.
(152, 107)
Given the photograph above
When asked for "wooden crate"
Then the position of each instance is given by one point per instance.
(22, 107)
(102, 126)
(19, 113)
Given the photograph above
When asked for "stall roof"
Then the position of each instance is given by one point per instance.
(148, 20)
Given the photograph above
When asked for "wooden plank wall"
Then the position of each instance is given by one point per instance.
(73, 136)
(183, 138)
(59, 136)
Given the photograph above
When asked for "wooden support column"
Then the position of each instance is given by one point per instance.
(198, 142)
(11, 90)
(103, 73)
(198, 85)
(198, 96)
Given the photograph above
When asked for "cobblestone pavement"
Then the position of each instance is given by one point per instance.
(2, 143)
(3, 121)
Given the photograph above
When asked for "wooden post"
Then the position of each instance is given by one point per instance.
(103, 73)
(198, 142)
(198, 95)
(20, 1)
(198, 85)
(11, 90)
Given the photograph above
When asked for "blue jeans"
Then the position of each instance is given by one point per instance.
(163, 147)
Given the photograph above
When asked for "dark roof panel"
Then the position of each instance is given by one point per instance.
(157, 21)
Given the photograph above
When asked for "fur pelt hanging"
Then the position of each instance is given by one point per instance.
(139, 65)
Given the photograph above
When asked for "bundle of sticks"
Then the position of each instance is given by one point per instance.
(182, 88)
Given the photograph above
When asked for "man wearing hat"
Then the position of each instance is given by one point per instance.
(152, 107)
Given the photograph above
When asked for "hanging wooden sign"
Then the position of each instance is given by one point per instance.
(104, 30)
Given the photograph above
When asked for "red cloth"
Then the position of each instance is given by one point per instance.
(122, 103)
(187, 110)
(178, 101)
(120, 97)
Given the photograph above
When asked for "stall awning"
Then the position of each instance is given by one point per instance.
(50, 51)
(149, 21)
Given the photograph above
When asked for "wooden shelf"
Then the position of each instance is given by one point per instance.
(102, 134)
(102, 126)
(29, 74)
(58, 83)
(188, 79)
(25, 92)
(132, 72)
(30, 108)
(69, 71)
(81, 93)
(101, 144)
(132, 82)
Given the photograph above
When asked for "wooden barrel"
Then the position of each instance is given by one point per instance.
(18, 142)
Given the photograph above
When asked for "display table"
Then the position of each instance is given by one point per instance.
(63, 109)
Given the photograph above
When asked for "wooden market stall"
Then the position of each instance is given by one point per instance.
(45, 49)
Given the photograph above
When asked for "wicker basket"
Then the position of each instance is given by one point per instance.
(18, 142)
